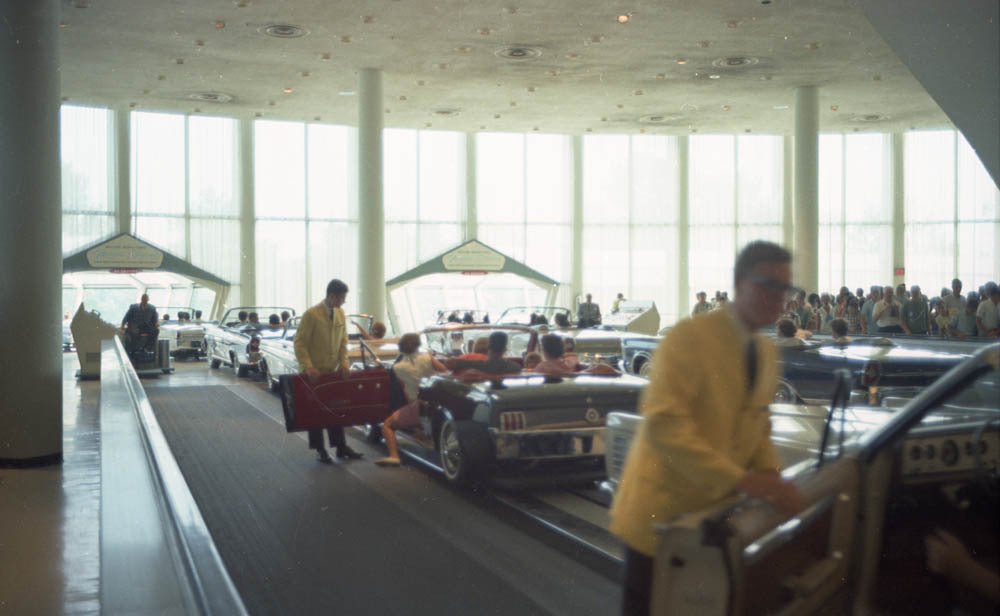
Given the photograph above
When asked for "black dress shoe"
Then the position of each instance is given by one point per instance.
(346, 453)
(324, 457)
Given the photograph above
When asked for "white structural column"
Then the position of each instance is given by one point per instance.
(806, 263)
(371, 215)
(683, 226)
(122, 166)
(788, 177)
(576, 267)
(248, 215)
(471, 207)
(31, 236)
(899, 212)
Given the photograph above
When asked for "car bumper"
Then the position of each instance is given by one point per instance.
(578, 443)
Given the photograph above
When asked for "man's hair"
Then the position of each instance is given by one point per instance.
(336, 287)
(955, 281)
(498, 342)
(786, 328)
(991, 288)
(242, 314)
(552, 346)
(481, 345)
(562, 320)
(253, 316)
(757, 252)
(378, 329)
(285, 315)
(915, 289)
(409, 343)
(838, 327)
(274, 320)
(197, 314)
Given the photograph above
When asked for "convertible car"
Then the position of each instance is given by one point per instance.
(521, 315)
(186, 338)
(881, 481)
(880, 368)
(278, 353)
(238, 345)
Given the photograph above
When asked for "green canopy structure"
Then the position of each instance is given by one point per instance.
(127, 255)
(470, 277)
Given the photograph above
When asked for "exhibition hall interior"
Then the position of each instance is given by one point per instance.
(410, 307)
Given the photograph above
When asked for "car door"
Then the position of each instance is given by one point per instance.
(742, 557)
(362, 397)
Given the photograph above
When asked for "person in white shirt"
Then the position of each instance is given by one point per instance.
(409, 369)
(702, 306)
(886, 313)
(954, 302)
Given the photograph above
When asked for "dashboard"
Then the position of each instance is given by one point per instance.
(931, 454)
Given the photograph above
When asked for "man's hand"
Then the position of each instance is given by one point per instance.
(312, 374)
(781, 494)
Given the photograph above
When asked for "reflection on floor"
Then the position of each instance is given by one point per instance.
(49, 516)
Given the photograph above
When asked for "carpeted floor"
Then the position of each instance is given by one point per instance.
(300, 537)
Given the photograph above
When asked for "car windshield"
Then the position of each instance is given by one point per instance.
(461, 315)
(459, 341)
(521, 315)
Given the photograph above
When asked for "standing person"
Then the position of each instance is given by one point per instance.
(617, 304)
(702, 306)
(954, 302)
(915, 315)
(707, 431)
(868, 324)
(886, 313)
(988, 313)
(321, 348)
(588, 313)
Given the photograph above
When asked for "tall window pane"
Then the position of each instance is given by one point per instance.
(281, 263)
(158, 164)
(212, 178)
(87, 197)
(279, 169)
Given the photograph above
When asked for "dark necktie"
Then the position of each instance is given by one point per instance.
(751, 363)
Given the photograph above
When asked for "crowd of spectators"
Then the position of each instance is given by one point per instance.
(884, 310)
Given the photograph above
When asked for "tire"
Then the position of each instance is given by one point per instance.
(272, 383)
(241, 370)
(465, 449)
(645, 369)
(373, 433)
(215, 363)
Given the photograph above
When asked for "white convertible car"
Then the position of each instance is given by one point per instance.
(187, 338)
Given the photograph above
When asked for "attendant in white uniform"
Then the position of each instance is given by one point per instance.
(409, 369)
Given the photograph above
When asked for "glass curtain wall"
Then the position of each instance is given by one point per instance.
(855, 211)
(185, 196)
(735, 196)
(424, 195)
(630, 215)
(524, 202)
(88, 169)
(305, 198)
(951, 213)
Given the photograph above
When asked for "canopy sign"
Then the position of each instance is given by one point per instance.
(124, 251)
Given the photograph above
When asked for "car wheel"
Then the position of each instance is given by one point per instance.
(272, 383)
(373, 433)
(215, 363)
(464, 449)
(645, 369)
(241, 370)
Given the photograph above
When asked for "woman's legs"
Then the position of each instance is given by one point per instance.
(389, 434)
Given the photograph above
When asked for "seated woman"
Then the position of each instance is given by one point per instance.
(787, 334)
(531, 360)
(556, 360)
(409, 369)
(377, 331)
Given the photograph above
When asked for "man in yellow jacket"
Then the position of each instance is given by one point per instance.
(707, 431)
(321, 347)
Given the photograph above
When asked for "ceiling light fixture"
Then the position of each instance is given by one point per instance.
(531, 88)
(179, 60)
(346, 93)
(572, 56)
(638, 92)
(485, 31)
(715, 76)
(402, 98)
(518, 52)
(285, 31)
(447, 112)
(681, 61)
(316, 119)
(463, 49)
(834, 107)
(306, 73)
(623, 18)
(367, 19)
(324, 56)
(658, 118)
(287, 90)
(421, 82)
(732, 24)
(510, 10)
(704, 43)
(219, 25)
(734, 61)
(597, 38)
(725, 108)
(813, 46)
(346, 39)
(780, 107)
(199, 43)
(661, 76)
(63, 25)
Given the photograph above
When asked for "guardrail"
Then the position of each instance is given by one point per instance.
(157, 555)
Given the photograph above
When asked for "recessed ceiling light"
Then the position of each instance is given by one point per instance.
(287, 90)
(552, 73)
(220, 24)
(131, 105)
(715, 76)
(367, 19)
(197, 110)
(510, 10)
(734, 61)
(496, 116)
(442, 65)
(765, 78)
(258, 114)
(345, 39)
(271, 103)
(661, 76)
(534, 128)
(346, 93)
(638, 92)
(681, 61)
(704, 43)
(870, 117)
(813, 46)
(63, 25)
(324, 56)
(306, 73)
(834, 107)
(161, 77)
(316, 119)
(421, 82)
(604, 119)
(518, 52)
(463, 49)
(732, 24)
(746, 130)
(179, 60)
(447, 112)
(572, 56)
(658, 118)
(725, 107)
(513, 103)
(199, 43)
(780, 107)
(597, 38)
(623, 19)
(485, 31)
(65, 99)
(402, 98)
(620, 106)
(283, 31)
(531, 88)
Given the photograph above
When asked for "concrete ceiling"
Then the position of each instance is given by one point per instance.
(674, 67)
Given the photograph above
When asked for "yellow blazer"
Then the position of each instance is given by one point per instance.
(702, 431)
(320, 342)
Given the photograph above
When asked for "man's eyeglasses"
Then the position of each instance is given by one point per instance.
(770, 283)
